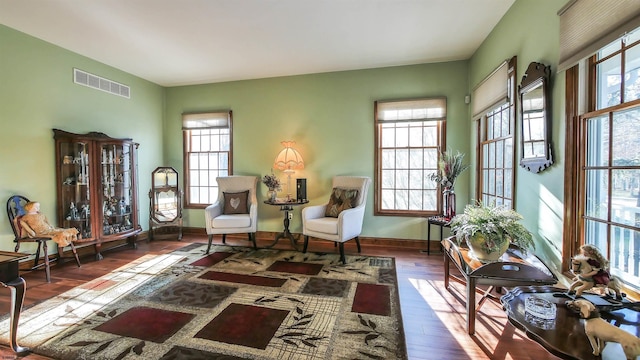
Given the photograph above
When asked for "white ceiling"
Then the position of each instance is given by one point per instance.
(184, 42)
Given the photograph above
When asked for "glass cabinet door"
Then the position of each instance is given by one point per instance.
(117, 187)
(75, 190)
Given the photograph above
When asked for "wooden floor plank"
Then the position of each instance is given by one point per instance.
(434, 318)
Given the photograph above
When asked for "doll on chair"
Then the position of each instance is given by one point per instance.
(33, 224)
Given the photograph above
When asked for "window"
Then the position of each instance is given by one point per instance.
(409, 136)
(604, 146)
(496, 136)
(207, 155)
(610, 158)
(497, 155)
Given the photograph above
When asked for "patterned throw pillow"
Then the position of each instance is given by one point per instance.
(341, 199)
(235, 203)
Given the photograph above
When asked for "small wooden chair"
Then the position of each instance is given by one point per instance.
(15, 210)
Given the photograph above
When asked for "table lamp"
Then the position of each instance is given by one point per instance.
(288, 160)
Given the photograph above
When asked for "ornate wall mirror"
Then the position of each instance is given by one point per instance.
(165, 201)
(535, 120)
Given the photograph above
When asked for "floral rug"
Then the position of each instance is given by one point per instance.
(235, 303)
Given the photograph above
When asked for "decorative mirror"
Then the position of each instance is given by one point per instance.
(165, 201)
(534, 114)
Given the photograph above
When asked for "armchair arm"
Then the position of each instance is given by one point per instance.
(313, 212)
(212, 211)
(350, 223)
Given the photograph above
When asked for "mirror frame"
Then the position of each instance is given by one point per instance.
(537, 74)
(160, 185)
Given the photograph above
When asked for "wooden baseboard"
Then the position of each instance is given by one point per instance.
(268, 236)
(262, 238)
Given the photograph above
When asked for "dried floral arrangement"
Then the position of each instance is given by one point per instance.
(272, 182)
(450, 166)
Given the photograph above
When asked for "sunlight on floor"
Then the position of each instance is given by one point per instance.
(47, 319)
(491, 321)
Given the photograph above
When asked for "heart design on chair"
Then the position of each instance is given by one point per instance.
(234, 202)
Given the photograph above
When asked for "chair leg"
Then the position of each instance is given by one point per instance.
(17, 246)
(342, 258)
(224, 238)
(75, 253)
(358, 244)
(306, 243)
(210, 240)
(37, 259)
(47, 269)
(252, 238)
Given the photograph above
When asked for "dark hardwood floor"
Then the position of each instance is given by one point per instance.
(434, 318)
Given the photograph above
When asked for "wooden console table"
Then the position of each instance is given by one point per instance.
(9, 277)
(512, 269)
(564, 335)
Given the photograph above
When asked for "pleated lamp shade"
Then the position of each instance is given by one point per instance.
(289, 159)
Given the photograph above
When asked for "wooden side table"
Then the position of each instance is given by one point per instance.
(439, 221)
(286, 207)
(9, 277)
(564, 335)
(512, 269)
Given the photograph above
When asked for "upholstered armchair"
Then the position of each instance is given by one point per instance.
(236, 209)
(340, 219)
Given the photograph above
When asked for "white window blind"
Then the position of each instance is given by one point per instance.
(412, 110)
(588, 25)
(212, 120)
(491, 92)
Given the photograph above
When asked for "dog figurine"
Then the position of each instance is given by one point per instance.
(599, 331)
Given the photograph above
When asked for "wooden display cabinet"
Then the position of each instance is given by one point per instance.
(97, 187)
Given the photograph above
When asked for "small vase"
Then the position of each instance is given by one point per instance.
(449, 200)
(272, 194)
(488, 248)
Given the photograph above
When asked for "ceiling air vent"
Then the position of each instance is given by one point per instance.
(94, 81)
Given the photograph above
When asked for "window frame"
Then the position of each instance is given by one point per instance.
(576, 168)
(440, 124)
(482, 131)
(186, 140)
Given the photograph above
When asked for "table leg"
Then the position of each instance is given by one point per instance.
(428, 251)
(471, 305)
(446, 271)
(285, 233)
(17, 287)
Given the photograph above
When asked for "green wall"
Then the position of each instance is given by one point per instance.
(37, 94)
(330, 116)
(530, 30)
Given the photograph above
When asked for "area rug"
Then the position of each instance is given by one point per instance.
(234, 303)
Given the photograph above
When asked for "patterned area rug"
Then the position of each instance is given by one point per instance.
(235, 303)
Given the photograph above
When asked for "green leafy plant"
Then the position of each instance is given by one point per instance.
(450, 166)
(492, 221)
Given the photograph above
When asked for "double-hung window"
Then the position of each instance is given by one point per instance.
(602, 174)
(409, 136)
(611, 153)
(207, 155)
(494, 107)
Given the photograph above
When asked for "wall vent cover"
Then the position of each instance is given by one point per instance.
(94, 81)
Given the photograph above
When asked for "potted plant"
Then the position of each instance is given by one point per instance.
(488, 230)
(273, 183)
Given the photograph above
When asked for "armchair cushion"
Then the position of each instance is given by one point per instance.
(341, 199)
(235, 203)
